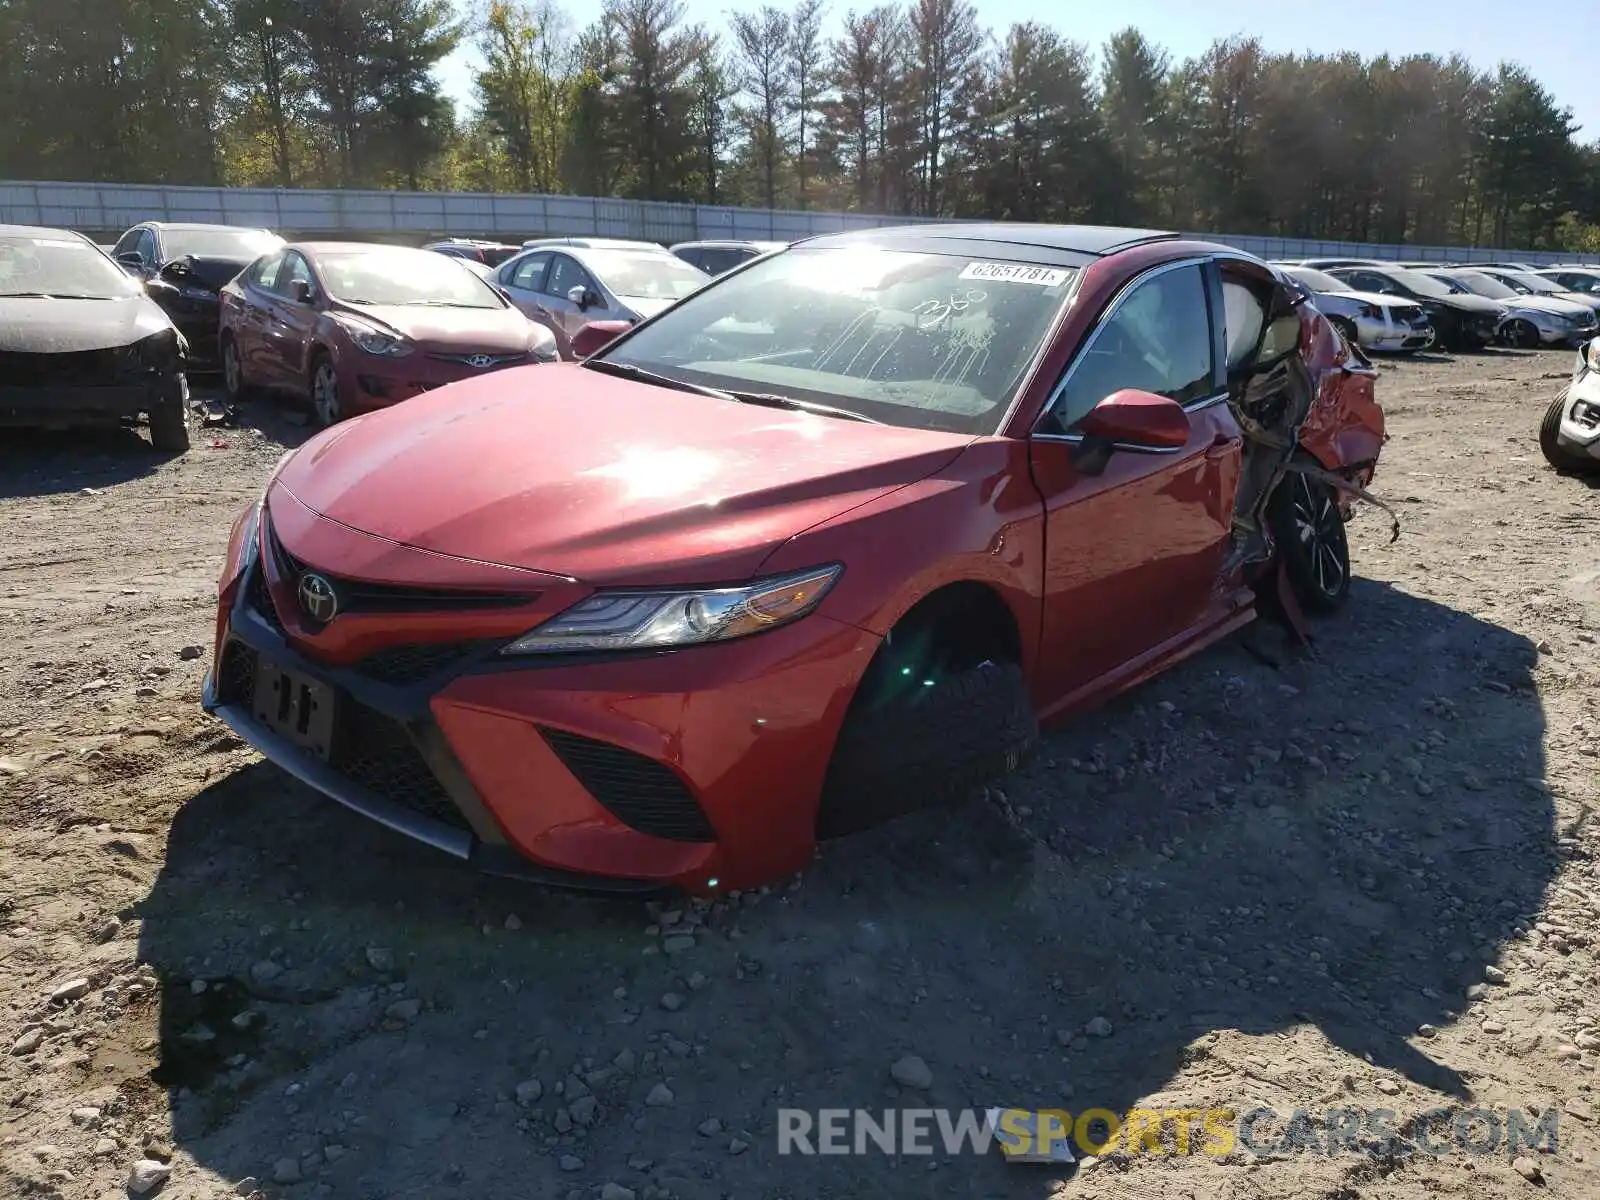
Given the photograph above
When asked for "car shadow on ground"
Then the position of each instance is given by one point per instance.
(39, 462)
(1329, 850)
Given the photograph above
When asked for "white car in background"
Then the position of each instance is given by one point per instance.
(1369, 319)
(1570, 433)
(1574, 279)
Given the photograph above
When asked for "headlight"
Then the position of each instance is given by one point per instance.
(641, 620)
(158, 352)
(542, 345)
(1589, 356)
(371, 340)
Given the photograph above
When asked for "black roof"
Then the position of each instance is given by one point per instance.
(1067, 245)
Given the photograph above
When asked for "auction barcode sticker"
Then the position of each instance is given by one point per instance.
(1015, 273)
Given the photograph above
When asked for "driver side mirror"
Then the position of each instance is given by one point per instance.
(1136, 420)
(582, 297)
(300, 292)
(596, 335)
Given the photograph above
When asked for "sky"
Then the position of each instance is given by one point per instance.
(1557, 53)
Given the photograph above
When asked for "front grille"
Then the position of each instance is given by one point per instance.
(376, 752)
(369, 748)
(495, 360)
(236, 680)
(417, 661)
(258, 597)
(638, 791)
(357, 595)
(82, 368)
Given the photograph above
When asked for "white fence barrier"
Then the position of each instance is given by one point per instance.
(108, 208)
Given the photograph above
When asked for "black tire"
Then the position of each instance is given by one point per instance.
(327, 408)
(1558, 456)
(234, 384)
(934, 748)
(1346, 328)
(169, 424)
(1309, 530)
(1520, 334)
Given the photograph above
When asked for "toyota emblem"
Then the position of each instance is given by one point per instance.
(480, 360)
(318, 600)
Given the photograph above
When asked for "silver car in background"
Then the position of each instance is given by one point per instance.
(1531, 283)
(1570, 433)
(565, 286)
(1573, 279)
(1371, 320)
(1532, 321)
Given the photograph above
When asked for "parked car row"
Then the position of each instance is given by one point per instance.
(1408, 306)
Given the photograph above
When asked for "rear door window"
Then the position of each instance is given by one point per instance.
(528, 273)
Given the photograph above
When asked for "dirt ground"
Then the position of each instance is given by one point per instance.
(1366, 877)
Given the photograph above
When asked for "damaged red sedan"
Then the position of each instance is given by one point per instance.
(820, 544)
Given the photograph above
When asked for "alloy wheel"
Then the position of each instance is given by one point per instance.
(325, 394)
(232, 372)
(1320, 529)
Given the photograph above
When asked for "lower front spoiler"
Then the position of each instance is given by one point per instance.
(51, 407)
(490, 860)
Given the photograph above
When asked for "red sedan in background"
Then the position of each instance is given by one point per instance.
(354, 326)
(819, 544)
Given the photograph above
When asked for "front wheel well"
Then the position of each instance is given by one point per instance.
(953, 629)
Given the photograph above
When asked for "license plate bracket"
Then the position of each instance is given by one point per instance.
(296, 707)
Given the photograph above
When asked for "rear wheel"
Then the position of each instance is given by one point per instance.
(1568, 462)
(233, 379)
(1309, 530)
(942, 709)
(169, 424)
(325, 400)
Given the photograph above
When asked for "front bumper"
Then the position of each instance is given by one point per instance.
(1580, 416)
(374, 382)
(698, 770)
(62, 407)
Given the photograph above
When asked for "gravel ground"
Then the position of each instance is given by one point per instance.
(1363, 877)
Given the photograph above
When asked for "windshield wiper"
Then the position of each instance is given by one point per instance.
(629, 371)
(772, 400)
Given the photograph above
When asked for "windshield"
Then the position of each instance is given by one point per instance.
(1522, 281)
(1423, 285)
(246, 244)
(1316, 280)
(1481, 285)
(63, 267)
(933, 341)
(645, 276)
(396, 276)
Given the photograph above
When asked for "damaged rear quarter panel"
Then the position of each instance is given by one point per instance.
(1344, 429)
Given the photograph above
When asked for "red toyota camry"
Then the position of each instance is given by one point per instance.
(822, 543)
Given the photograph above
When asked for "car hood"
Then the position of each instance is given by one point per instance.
(647, 306)
(1553, 305)
(35, 326)
(489, 330)
(1379, 299)
(563, 470)
(1472, 304)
